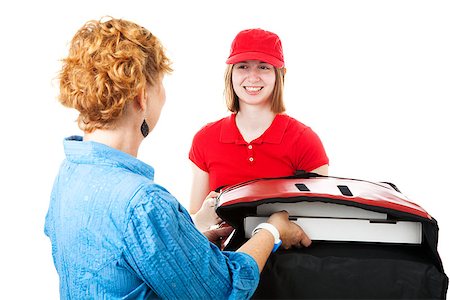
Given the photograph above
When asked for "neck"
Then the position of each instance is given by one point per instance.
(252, 122)
(124, 140)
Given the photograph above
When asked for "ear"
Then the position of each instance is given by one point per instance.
(141, 100)
(284, 70)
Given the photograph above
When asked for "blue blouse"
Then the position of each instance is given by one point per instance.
(118, 235)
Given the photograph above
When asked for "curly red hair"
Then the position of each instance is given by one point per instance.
(109, 63)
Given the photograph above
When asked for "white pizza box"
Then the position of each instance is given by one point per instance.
(351, 230)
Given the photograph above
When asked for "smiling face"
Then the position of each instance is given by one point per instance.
(253, 82)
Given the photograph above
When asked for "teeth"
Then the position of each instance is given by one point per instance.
(253, 88)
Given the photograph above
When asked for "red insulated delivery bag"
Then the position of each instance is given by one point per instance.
(369, 240)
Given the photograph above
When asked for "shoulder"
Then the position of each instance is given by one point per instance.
(128, 190)
(214, 126)
(299, 132)
(293, 124)
(149, 192)
(212, 129)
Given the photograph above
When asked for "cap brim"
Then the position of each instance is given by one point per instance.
(255, 56)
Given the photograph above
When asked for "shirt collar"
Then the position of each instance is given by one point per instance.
(90, 152)
(229, 133)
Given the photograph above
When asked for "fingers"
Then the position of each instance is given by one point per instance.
(295, 237)
(302, 237)
(224, 231)
(305, 240)
(210, 205)
(212, 194)
(211, 235)
(210, 202)
(216, 220)
(214, 235)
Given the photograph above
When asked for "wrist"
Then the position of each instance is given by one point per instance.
(272, 230)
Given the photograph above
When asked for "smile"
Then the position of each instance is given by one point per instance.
(253, 88)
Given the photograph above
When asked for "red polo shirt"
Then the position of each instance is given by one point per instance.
(286, 146)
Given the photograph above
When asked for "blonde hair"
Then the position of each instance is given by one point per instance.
(109, 63)
(232, 100)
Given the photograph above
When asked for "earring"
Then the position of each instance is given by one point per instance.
(144, 128)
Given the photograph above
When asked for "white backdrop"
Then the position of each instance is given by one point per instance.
(370, 77)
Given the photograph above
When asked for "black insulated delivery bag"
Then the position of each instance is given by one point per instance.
(369, 240)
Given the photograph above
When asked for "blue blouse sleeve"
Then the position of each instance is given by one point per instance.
(177, 261)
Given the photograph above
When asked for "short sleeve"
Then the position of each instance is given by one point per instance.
(311, 153)
(177, 261)
(196, 153)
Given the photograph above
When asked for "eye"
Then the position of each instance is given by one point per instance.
(265, 67)
(241, 66)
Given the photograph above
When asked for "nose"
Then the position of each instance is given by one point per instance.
(253, 75)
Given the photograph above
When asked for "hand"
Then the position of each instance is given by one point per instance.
(206, 216)
(291, 234)
(218, 235)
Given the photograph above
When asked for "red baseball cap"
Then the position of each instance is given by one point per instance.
(257, 44)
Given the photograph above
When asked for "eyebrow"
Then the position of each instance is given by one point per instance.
(248, 61)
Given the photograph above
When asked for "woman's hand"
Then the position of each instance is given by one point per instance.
(291, 234)
(206, 216)
(218, 235)
(261, 244)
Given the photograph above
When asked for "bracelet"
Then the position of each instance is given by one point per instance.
(273, 230)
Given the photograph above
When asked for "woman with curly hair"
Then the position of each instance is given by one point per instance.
(115, 233)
